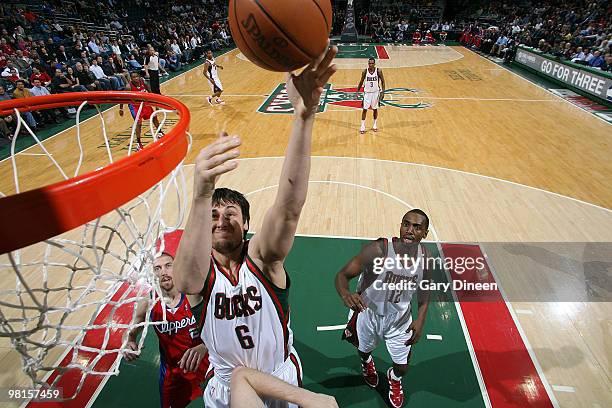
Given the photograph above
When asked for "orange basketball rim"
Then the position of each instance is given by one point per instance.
(36, 215)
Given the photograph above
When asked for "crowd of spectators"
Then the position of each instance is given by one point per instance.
(394, 21)
(39, 55)
(384, 29)
(572, 30)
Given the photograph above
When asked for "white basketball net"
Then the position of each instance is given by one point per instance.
(73, 296)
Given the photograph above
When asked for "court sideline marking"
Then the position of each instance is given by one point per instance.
(522, 333)
(538, 86)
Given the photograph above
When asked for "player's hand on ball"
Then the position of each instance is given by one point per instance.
(321, 401)
(131, 353)
(214, 160)
(192, 358)
(354, 301)
(417, 329)
(304, 90)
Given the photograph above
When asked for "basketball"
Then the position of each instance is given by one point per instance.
(280, 35)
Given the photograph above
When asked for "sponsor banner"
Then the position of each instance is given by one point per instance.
(596, 84)
(585, 103)
(278, 101)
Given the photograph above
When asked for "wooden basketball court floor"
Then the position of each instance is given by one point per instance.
(492, 158)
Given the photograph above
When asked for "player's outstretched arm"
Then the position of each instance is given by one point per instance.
(248, 386)
(361, 263)
(132, 344)
(192, 260)
(272, 244)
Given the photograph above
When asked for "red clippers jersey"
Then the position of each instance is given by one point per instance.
(147, 110)
(180, 333)
(140, 88)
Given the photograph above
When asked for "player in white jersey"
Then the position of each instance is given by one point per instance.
(211, 73)
(380, 308)
(244, 283)
(373, 92)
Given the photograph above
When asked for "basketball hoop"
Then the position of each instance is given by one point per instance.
(62, 206)
(81, 249)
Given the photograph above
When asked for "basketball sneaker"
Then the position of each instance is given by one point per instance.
(368, 370)
(362, 130)
(139, 147)
(396, 394)
(375, 128)
(209, 99)
(220, 101)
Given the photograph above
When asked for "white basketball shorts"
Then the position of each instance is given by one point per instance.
(392, 329)
(217, 392)
(370, 100)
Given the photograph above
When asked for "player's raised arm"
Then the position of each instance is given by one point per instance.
(361, 263)
(192, 260)
(272, 244)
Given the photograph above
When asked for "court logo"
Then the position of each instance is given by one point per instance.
(278, 101)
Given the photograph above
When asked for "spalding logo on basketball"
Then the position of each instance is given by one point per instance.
(280, 35)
